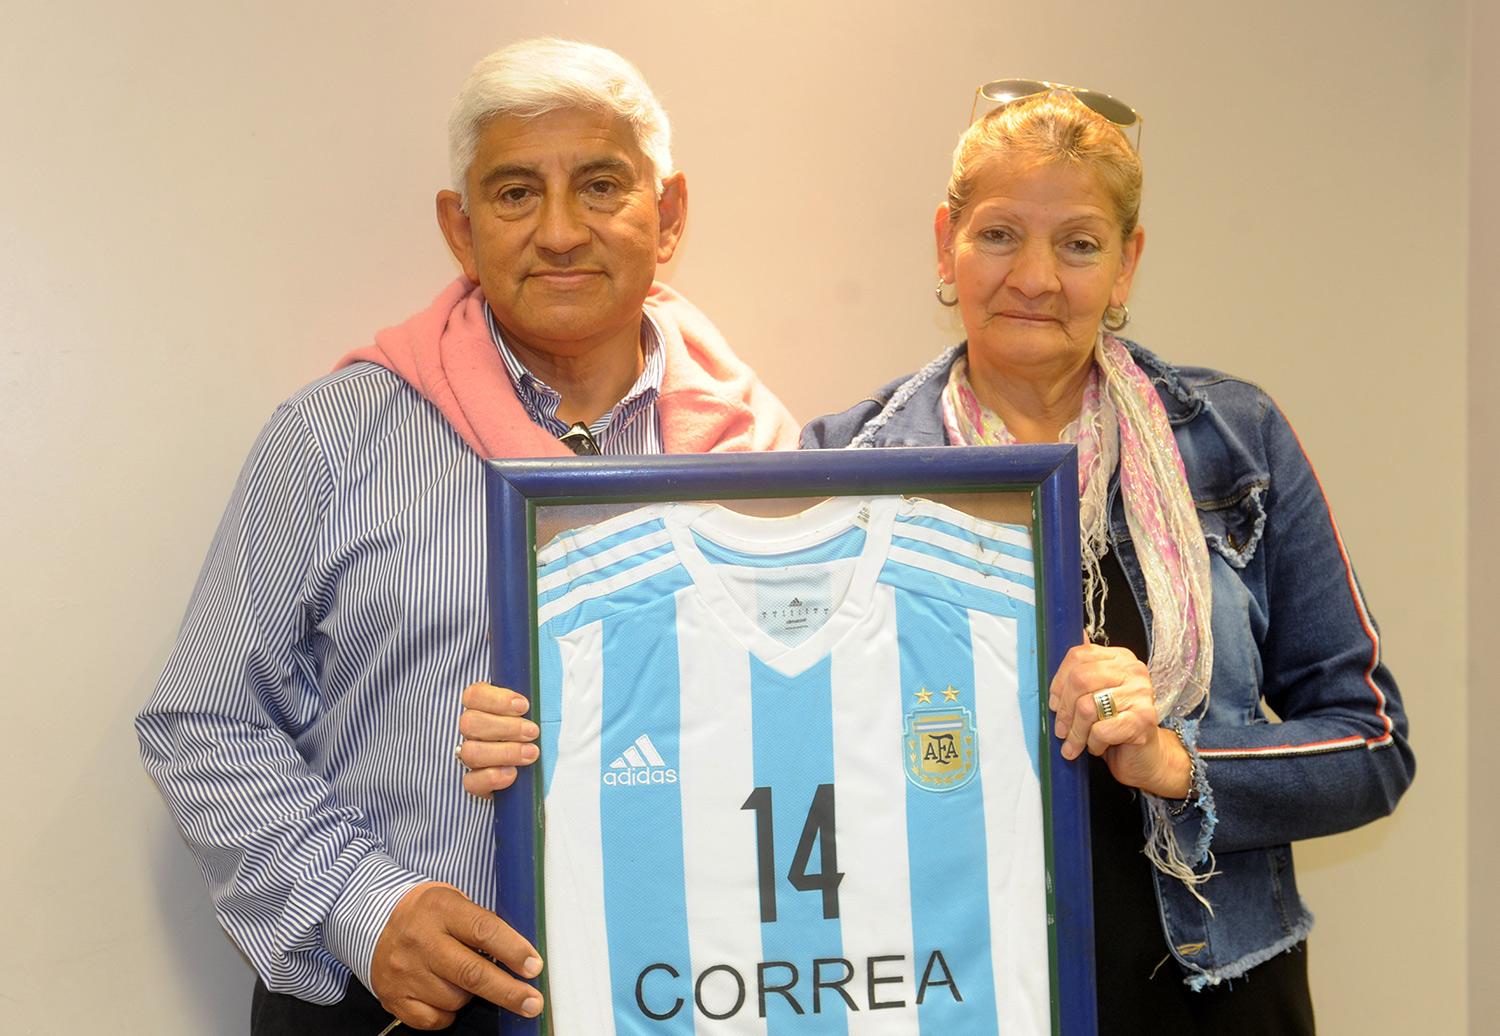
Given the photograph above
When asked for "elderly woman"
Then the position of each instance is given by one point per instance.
(1215, 580)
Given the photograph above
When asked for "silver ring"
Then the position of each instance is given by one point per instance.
(1104, 704)
(458, 752)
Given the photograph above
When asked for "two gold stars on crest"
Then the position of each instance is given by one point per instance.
(924, 696)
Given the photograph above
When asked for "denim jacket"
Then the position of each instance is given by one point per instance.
(1291, 631)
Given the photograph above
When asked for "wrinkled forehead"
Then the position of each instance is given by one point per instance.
(1058, 181)
(561, 140)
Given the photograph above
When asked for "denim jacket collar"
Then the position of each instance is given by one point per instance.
(911, 414)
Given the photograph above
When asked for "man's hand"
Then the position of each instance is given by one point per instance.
(427, 962)
(496, 739)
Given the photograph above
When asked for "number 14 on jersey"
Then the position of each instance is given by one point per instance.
(818, 831)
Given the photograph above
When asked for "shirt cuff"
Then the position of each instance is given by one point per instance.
(360, 913)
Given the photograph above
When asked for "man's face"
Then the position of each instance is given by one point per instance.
(564, 229)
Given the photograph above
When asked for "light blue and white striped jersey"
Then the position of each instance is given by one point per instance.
(790, 773)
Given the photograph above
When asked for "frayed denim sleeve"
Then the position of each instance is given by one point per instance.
(1193, 824)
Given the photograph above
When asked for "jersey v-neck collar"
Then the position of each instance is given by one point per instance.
(755, 535)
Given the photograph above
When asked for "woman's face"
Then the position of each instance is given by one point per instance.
(1036, 257)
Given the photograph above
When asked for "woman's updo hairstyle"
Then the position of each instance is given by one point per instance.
(1051, 127)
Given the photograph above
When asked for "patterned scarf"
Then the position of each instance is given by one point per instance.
(1123, 423)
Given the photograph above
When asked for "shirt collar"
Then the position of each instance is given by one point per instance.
(542, 400)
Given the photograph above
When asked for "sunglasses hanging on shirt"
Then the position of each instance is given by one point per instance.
(580, 440)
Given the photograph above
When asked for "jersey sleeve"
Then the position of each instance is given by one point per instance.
(949, 554)
(298, 879)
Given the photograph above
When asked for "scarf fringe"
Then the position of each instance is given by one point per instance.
(1166, 855)
(1123, 425)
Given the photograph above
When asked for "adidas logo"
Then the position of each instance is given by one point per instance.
(641, 763)
(796, 603)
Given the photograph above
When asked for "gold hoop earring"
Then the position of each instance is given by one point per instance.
(938, 291)
(1115, 318)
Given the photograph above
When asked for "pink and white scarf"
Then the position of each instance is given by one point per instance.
(1122, 422)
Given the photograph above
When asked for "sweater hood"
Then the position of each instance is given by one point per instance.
(710, 400)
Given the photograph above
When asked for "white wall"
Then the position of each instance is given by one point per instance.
(1484, 503)
(202, 205)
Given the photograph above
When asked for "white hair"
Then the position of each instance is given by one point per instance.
(534, 77)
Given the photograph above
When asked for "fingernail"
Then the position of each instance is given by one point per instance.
(530, 1006)
(519, 705)
(529, 753)
(531, 967)
(530, 730)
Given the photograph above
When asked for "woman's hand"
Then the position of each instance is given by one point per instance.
(1139, 752)
(495, 737)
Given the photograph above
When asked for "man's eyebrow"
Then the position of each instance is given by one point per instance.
(510, 171)
(604, 165)
(532, 174)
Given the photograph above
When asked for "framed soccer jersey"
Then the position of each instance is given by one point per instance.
(794, 771)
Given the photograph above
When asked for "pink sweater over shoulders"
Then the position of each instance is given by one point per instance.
(710, 400)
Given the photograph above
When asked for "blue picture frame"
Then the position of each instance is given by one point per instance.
(515, 489)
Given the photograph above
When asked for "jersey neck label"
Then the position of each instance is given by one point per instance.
(793, 605)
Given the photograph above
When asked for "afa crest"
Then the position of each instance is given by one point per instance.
(941, 747)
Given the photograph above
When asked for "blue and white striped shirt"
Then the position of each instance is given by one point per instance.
(302, 731)
(631, 426)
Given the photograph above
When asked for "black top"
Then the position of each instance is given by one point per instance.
(1141, 988)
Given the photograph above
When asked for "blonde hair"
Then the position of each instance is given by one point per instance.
(1051, 127)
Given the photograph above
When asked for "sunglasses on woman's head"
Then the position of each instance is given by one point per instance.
(1002, 92)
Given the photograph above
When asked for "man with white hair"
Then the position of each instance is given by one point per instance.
(302, 731)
